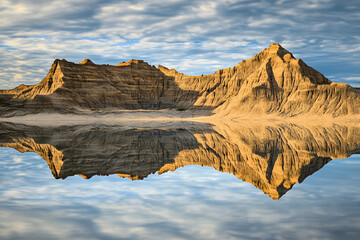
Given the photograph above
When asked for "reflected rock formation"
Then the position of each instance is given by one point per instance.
(271, 157)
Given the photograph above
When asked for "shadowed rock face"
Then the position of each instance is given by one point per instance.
(74, 88)
(273, 81)
(271, 157)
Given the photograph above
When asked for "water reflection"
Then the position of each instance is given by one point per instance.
(272, 157)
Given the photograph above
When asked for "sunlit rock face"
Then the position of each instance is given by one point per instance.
(271, 157)
(272, 82)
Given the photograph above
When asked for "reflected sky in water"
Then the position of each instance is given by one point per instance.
(192, 202)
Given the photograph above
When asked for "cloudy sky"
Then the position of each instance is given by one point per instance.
(193, 36)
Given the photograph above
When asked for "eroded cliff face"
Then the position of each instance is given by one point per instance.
(271, 157)
(78, 88)
(272, 82)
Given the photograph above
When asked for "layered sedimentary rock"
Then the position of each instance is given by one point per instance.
(271, 157)
(74, 88)
(272, 82)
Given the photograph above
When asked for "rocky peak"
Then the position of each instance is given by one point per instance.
(87, 62)
(278, 50)
(167, 71)
(134, 62)
(274, 51)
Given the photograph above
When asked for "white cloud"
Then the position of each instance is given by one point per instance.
(352, 78)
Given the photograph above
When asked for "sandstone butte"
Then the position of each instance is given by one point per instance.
(273, 82)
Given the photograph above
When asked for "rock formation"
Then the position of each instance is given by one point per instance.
(272, 82)
(271, 157)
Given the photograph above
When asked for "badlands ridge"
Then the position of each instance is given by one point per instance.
(273, 82)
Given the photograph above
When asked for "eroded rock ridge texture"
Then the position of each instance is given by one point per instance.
(272, 82)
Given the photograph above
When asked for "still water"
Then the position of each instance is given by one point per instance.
(197, 182)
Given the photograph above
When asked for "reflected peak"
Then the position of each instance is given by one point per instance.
(271, 157)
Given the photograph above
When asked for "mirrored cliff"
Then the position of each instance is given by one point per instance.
(272, 157)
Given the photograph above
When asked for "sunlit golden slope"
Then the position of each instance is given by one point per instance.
(273, 81)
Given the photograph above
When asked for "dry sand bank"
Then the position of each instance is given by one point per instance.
(160, 118)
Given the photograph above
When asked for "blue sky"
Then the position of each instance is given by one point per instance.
(195, 37)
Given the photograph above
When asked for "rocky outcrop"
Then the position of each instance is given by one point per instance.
(271, 157)
(272, 82)
(79, 88)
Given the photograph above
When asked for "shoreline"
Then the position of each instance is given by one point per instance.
(151, 117)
